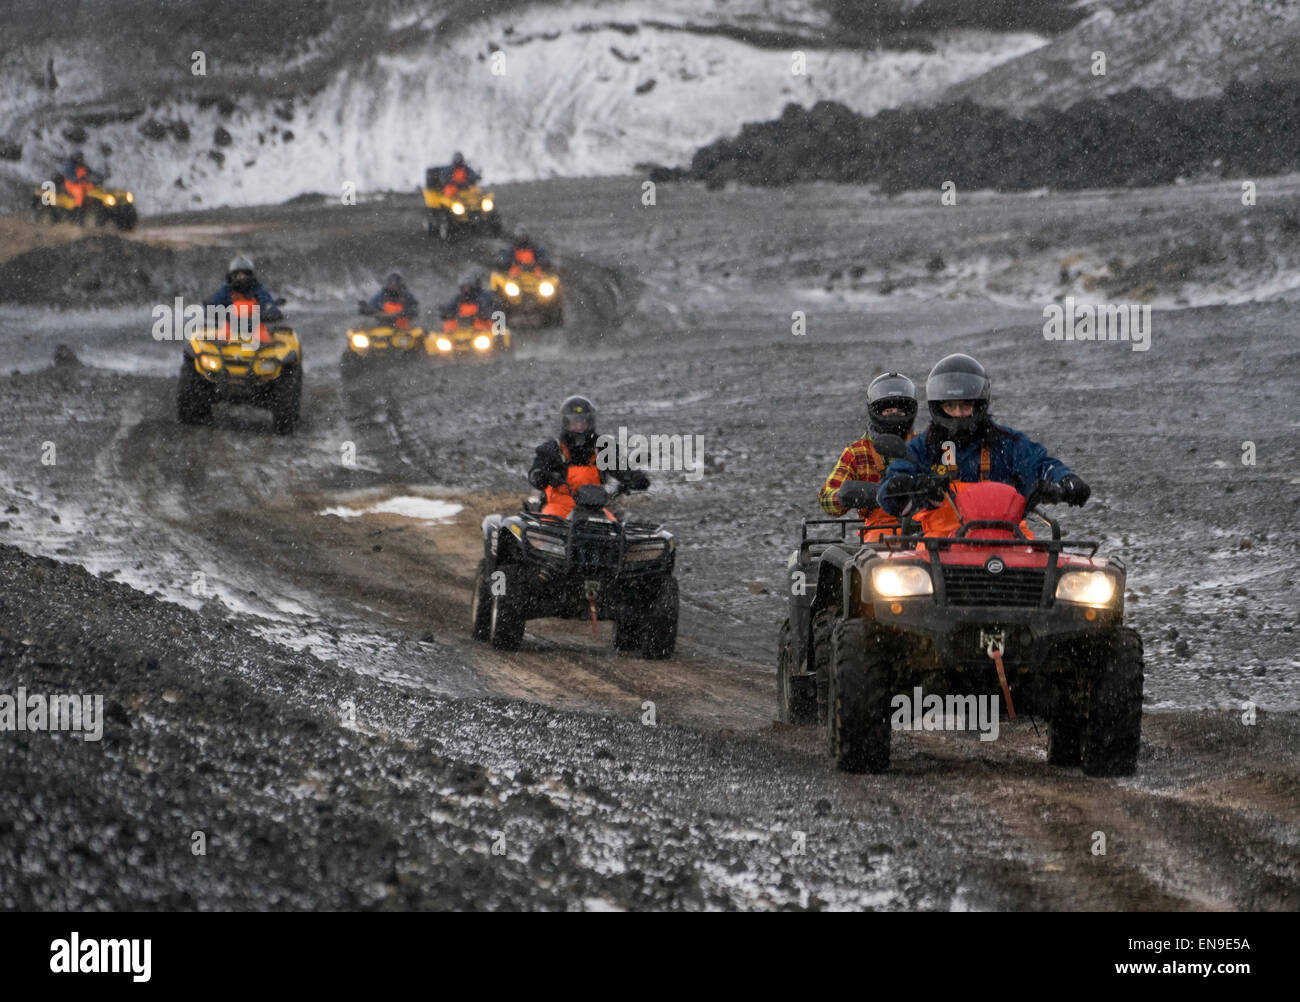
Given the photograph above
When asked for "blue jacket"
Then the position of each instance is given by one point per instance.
(410, 306)
(471, 175)
(1014, 459)
(265, 301)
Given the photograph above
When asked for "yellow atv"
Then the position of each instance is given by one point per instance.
(262, 368)
(533, 293)
(476, 336)
(389, 336)
(52, 203)
(451, 211)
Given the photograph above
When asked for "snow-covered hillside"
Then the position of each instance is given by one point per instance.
(576, 89)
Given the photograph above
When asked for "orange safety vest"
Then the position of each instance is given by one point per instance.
(525, 256)
(243, 307)
(944, 520)
(77, 188)
(559, 500)
(392, 307)
(459, 175)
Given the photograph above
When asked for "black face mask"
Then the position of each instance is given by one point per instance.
(243, 284)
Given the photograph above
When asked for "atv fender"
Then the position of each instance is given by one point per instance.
(492, 526)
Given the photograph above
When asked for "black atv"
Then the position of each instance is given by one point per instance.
(588, 565)
(981, 611)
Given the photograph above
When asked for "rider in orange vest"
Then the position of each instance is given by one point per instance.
(77, 177)
(891, 409)
(523, 255)
(243, 291)
(393, 302)
(458, 175)
(564, 464)
(472, 307)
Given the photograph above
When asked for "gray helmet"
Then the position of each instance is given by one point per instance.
(885, 392)
(472, 280)
(521, 235)
(393, 281)
(240, 263)
(959, 377)
(458, 158)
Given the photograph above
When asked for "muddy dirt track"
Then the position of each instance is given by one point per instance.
(262, 616)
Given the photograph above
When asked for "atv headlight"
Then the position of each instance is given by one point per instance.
(444, 344)
(110, 200)
(645, 551)
(210, 362)
(1095, 588)
(360, 340)
(457, 209)
(130, 197)
(901, 581)
(487, 205)
(266, 366)
(546, 545)
(512, 288)
(482, 342)
(546, 289)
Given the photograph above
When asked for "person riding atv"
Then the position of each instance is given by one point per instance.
(522, 254)
(964, 445)
(574, 558)
(891, 410)
(242, 289)
(456, 175)
(472, 304)
(562, 465)
(78, 178)
(393, 301)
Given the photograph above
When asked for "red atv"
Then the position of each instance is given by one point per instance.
(986, 609)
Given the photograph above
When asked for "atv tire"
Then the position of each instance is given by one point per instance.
(500, 345)
(1065, 730)
(480, 609)
(659, 628)
(821, 660)
(127, 219)
(857, 727)
(506, 619)
(194, 396)
(796, 695)
(286, 400)
(627, 630)
(1112, 723)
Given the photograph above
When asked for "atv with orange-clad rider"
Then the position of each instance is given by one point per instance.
(525, 280)
(454, 203)
(247, 355)
(569, 556)
(77, 195)
(471, 323)
(393, 332)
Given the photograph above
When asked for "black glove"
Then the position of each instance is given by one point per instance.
(857, 494)
(1073, 490)
(901, 484)
(932, 488)
(557, 478)
(636, 480)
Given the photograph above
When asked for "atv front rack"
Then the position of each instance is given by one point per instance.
(599, 545)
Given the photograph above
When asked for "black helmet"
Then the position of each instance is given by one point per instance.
(393, 282)
(885, 392)
(239, 273)
(458, 159)
(521, 236)
(577, 422)
(959, 377)
(78, 158)
(468, 281)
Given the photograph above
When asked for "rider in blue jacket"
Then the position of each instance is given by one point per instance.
(958, 394)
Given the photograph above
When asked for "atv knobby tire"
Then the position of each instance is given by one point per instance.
(857, 726)
(1112, 723)
(822, 624)
(507, 619)
(659, 628)
(286, 399)
(480, 609)
(1065, 729)
(796, 695)
(193, 396)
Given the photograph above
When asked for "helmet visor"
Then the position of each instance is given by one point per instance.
(957, 386)
(578, 424)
